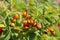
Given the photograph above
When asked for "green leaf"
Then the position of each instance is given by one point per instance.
(30, 35)
(7, 37)
(48, 19)
(7, 21)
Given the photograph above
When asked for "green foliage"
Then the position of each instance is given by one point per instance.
(46, 12)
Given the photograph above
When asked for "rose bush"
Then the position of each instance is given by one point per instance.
(30, 20)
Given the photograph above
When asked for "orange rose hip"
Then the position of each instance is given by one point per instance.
(12, 24)
(16, 16)
(32, 22)
(24, 14)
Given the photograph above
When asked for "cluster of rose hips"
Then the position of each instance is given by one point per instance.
(12, 24)
(29, 22)
(26, 23)
(15, 17)
(51, 30)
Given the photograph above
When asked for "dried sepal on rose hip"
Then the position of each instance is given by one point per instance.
(53, 33)
(12, 24)
(17, 30)
(26, 28)
(16, 16)
(28, 21)
(1, 30)
(13, 20)
(35, 23)
(29, 16)
(47, 30)
(24, 14)
(38, 26)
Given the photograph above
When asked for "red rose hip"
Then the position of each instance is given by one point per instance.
(25, 23)
(1, 30)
